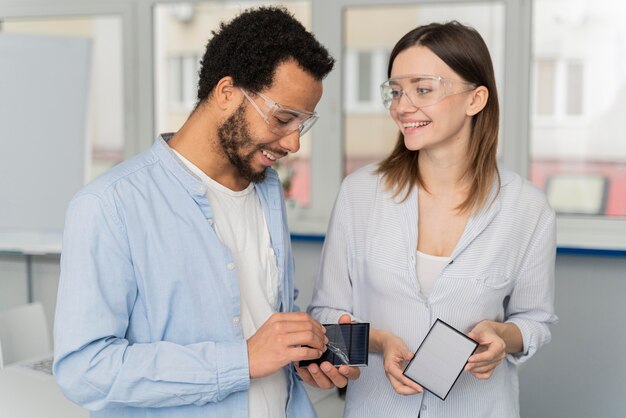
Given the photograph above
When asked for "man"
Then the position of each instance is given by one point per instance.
(176, 285)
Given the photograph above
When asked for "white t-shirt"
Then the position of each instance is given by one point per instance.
(428, 268)
(240, 224)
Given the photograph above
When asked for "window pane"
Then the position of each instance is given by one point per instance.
(574, 88)
(181, 33)
(578, 151)
(545, 87)
(365, 76)
(370, 133)
(105, 114)
(175, 81)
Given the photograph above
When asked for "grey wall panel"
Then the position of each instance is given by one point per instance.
(582, 372)
(43, 103)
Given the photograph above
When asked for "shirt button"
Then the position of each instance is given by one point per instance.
(210, 221)
(424, 407)
(230, 266)
(235, 320)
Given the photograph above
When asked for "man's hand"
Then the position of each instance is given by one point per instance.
(284, 338)
(326, 375)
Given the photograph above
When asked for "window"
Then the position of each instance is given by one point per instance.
(182, 74)
(559, 89)
(105, 111)
(578, 146)
(367, 68)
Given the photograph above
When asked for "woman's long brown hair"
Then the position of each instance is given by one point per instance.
(465, 52)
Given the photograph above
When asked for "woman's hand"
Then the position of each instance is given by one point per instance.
(395, 356)
(495, 339)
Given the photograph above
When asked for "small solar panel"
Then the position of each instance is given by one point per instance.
(347, 344)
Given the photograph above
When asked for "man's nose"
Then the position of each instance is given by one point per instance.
(291, 142)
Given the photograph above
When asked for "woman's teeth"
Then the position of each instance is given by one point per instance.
(415, 124)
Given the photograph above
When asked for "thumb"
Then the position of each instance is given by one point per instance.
(408, 355)
(345, 319)
(475, 335)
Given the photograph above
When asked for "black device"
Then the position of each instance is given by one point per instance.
(347, 344)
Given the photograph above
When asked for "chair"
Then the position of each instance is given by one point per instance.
(24, 334)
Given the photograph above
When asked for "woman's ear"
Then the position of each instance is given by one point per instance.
(479, 98)
(225, 94)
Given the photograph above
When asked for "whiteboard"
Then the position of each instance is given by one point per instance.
(43, 106)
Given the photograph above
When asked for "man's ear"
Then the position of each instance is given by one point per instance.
(225, 94)
(479, 98)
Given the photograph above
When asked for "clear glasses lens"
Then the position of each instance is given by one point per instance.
(420, 91)
(283, 120)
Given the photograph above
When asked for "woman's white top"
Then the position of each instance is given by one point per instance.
(428, 267)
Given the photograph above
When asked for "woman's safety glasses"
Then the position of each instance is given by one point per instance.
(421, 90)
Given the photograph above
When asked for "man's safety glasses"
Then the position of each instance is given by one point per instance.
(421, 90)
(282, 120)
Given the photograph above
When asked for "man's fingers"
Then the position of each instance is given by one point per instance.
(295, 321)
(303, 353)
(287, 326)
(307, 338)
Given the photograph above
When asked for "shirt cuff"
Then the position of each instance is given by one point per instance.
(534, 335)
(233, 374)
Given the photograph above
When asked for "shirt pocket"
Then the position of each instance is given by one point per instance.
(493, 281)
(472, 298)
(476, 288)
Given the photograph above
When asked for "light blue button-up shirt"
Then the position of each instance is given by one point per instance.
(147, 320)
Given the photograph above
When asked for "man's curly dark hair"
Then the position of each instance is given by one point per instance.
(250, 47)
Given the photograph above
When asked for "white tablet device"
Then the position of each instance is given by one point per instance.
(440, 359)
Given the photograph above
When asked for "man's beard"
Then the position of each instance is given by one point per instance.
(234, 137)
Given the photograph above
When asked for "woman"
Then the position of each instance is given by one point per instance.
(436, 230)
